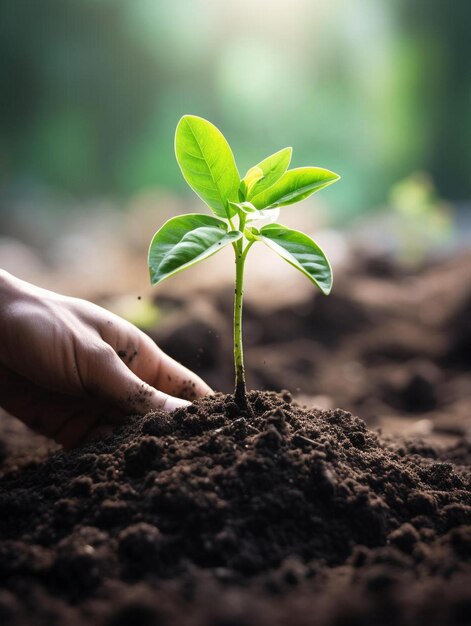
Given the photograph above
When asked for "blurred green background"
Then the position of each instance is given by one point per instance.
(91, 91)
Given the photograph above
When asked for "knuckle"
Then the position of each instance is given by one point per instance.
(99, 359)
(105, 353)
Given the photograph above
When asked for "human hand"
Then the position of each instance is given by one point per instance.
(71, 370)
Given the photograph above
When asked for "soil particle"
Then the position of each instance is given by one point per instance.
(405, 537)
(207, 517)
(140, 548)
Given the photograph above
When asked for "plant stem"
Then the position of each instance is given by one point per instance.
(240, 392)
(240, 386)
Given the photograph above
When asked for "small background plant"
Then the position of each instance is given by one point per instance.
(207, 164)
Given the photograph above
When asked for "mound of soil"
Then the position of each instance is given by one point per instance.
(294, 516)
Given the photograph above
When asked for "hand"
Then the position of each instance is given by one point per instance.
(71, 370)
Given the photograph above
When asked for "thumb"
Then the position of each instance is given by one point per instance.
(110, 379)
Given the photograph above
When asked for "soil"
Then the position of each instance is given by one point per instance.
(205, 517)
(299, 516)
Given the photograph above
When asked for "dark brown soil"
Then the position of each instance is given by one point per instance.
(299, 517)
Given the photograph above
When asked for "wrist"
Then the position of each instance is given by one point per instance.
(6, 286)
(13, 292)
(7, 300)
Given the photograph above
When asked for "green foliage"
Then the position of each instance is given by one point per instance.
(294, 186)
(208, 165)
(301, 252)
(420, 219)
(266, 173)
(185, 240)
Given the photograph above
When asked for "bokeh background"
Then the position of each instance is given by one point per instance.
(376, 90)
(91, 91)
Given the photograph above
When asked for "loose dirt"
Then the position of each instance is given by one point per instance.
(297, 516)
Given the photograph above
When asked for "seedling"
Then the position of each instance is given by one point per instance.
(208, 166)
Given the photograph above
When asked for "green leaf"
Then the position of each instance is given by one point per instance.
(266, 173)
(251, 233)
(301, 252)
(253, 175)
(184, 241)
(246, 207)
(207, 163)
(253, 215)
(293, 186)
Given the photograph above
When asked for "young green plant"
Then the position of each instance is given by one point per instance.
(239, 206)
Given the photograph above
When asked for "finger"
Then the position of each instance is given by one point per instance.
(74, 429)
(110, 379)
(85, 428)
(178, 380)
(41, 410)
(66, 419)
(96, 433)
(166, 374)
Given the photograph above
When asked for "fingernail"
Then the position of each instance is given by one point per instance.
(172, 403)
